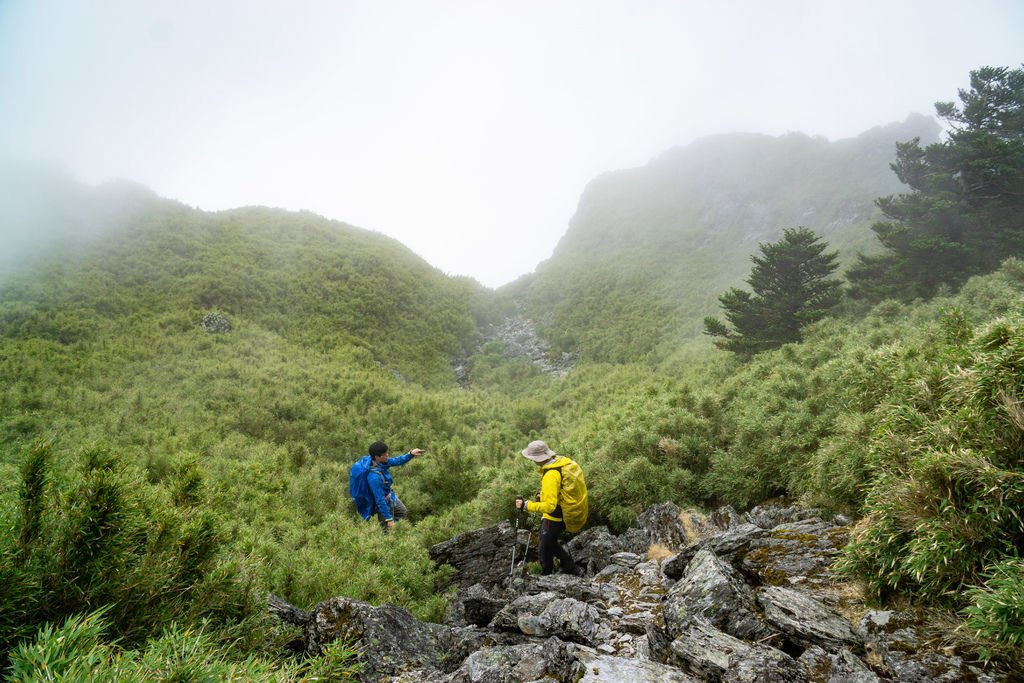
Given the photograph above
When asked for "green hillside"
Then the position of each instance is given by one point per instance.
(120, 250)
(162, 471)
(650, 249)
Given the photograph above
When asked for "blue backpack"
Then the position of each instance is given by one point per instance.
(359, 487)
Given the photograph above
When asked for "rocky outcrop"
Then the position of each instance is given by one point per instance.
(215, 323)
(482, 556)
(518, 337)
(680, 597)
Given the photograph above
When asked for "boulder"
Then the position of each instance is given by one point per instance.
(474, 605)
(602, 668)
(893, 637)
(805, 621)
(568, 586)
(736, 605)
(795, 553)
(713, 655)
(548, 614)
(771, 516)
(393, 640)
(592, 548)
(659, 524)
(215, 323)
(481, 556)
(712, 592)
(551, 660)
(731, 545)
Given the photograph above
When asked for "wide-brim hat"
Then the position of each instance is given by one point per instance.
(538, 452)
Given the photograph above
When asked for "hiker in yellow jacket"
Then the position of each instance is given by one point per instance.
(550, 505)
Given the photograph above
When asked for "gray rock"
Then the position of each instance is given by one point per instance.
(731, 545)
(399, 641)
(551, 660)
(816, 663)
(215, 323)
(893, 637)
(481, 556)
(805, 621)
(625, 560)
(712, 592)
(547, 614)
(609, 571)
(422, 676)
(566, 585)
(716, 656)
(623, 625)
(771, 516)
(799, 553)
(474, 605)
(649, 574)
(846, 667)
(723, 519)
(659, 524)
(600, 668)
(593, 547)
(519, 338)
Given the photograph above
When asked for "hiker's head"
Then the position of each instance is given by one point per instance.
(377, 449)
(538, 452)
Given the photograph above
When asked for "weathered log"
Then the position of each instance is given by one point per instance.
(286, 611)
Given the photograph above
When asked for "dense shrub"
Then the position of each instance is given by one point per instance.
(91, 535)
(947, 483)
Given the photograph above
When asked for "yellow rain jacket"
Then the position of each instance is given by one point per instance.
(551, 493)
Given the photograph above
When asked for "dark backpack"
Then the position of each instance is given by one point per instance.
(359, 487)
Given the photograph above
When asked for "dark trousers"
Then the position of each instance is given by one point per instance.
(550, 549)
(398, 511)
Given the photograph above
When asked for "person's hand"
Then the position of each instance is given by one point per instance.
(520, 504)
(416, 452)
(391, 524)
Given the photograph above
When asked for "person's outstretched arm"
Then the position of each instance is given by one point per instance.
(400, 460)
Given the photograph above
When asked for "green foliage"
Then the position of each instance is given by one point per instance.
(92, 536)
(73, 651)
(962, 214)
(78, 651)
(996, 609)
(649, 249)
(791, 290)
(168, 477)
(947, 480)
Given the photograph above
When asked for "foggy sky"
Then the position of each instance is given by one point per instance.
(467, 130)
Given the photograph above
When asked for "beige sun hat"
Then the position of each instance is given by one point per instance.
(538, 452)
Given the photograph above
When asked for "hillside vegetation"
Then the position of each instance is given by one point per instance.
(650, 249)
(159, 477)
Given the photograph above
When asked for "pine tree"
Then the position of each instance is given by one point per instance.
(965, 211)
(791, 288)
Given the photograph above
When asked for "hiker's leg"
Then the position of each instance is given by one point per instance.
(548, 542)
(399, 509)
(565, 562)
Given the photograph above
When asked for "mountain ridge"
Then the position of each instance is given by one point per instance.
(670, 236)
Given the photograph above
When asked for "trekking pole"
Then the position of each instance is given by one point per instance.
(515, 543)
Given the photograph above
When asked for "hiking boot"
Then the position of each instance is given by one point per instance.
(573, 570)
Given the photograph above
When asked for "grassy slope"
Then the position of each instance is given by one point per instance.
(102, 346)
(650, 249)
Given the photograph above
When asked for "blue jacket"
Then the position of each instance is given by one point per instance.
(380, 483)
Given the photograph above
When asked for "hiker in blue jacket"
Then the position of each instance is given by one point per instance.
(389, 507)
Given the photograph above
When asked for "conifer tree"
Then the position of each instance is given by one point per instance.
(791, 288)
(965, 211)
